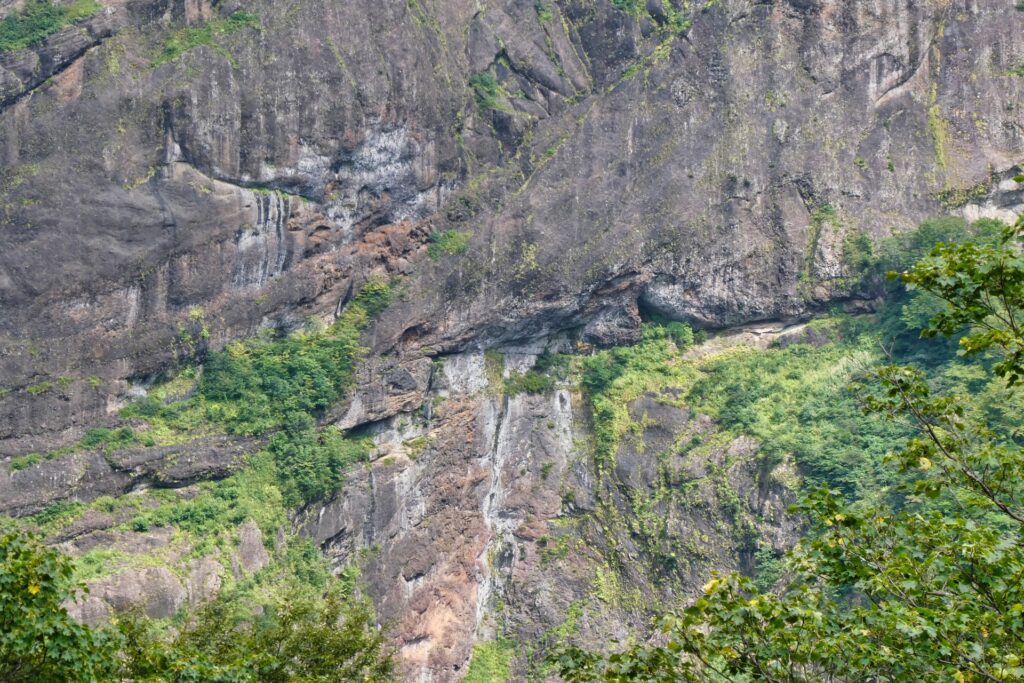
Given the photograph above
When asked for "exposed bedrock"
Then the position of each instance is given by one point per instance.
(713, 176)
(484, 516)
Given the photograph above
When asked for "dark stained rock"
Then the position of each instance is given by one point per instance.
(257, 188)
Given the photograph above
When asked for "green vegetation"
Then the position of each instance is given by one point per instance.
(208, 34)
(23, 462)
(101, 438)
(494, 368)
(261, 384)
(108, 439)
(255, 386)
(822, 215)
(491, 662)
(486, 90)
(312, 464)
(796, 401)
(294, 623)
(613, 378)
(543, 13)
(56, 516)
(280, 385)
(39, 641)
(858, 253)
(634, 7)
(39, 19)
(275, 385)
(40, 388)
(549, 369)
(675, 21)
(309, 631)
(252, 494)
(451, 242)
(937, 127)
(921, 585)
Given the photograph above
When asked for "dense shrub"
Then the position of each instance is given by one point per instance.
(314, 635)
(39, 641)
(304, 626)
(547, 371)
(485, 90)
(108, 439)
(310, 463)
(252, 386)
(450, 242)
(40, 18)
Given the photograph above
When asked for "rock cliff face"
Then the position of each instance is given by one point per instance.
(484, 516)
(177, 174)
(708, 162)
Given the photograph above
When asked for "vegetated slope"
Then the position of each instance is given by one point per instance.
(531, 500)
(192, 193)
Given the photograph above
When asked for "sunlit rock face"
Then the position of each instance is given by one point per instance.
(598, 159)
(600, 165)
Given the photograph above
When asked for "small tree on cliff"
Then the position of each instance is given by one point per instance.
(929, 590)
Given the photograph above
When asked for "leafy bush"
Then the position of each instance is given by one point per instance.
(23, 462)
(485, 90)
(39, 19)
(906, 311)
(662, 328)
(39, 641)
(374, 296)
(797, 401)
(451, 242)
(41, 388)
(303, 624)
(251, 386)
(925, 587)
(109, 439)
(252, 494)
(859, 253)
(491, 662)
(266, 385)
(311, 464)
(613, 378)
(303, 635)
(542, 377)
(530, 382)
(634, 7)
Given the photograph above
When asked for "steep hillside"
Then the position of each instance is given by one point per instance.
(400, 278)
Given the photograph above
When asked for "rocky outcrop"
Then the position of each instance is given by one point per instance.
(720, 183)
(86, 475)
(485, 517)
(709, 167)
(705, 162)
(152, 573)
(60, 54)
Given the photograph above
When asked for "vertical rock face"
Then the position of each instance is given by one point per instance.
(710, 165)
(710, 162)
(481, 518)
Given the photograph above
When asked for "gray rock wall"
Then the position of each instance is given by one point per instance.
(713, 175)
